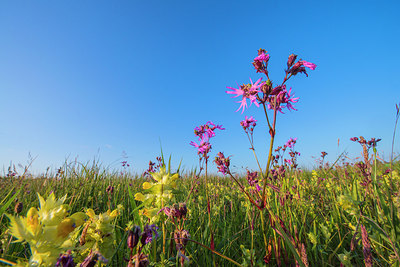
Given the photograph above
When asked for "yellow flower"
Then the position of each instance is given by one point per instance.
(147, 185)
(139, 197)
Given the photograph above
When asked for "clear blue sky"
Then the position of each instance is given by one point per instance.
(95, 78)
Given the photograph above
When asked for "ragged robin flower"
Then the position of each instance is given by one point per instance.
(247, 91)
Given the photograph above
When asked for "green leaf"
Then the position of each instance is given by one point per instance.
(135, 209)
(9, 202)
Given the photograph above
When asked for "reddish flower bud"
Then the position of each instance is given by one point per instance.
(133, 237)
(183, 209)
(18, 207)
(291, 60)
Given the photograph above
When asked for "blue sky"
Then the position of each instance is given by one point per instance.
(95, 79)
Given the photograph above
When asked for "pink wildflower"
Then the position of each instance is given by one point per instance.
(222, 163)
(284, 100)
(248, 124)
(208, 129)
(309, 65)
(247, 92)
(262, 57)
(291, 142)
(204, 147)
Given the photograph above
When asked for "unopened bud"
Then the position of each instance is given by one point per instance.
(291, 60)
(175, 212)
(18, 207)
(181, 238)
(110, 189)
(183, 209)
(133, 237)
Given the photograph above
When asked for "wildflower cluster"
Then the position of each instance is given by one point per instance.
(204, 133)
(252, 180)
(159, 193)
(177, 214)
(293, 154)
(248, 124)
(54, 236)
(153, 167)
(370, 144)
(276, 98)
(222, 163)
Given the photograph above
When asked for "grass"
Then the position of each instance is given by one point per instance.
(317, 211)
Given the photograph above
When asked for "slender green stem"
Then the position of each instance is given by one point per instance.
(244, 191)
(255, 155)
(263, 231)
(271, 146)
(391, 155)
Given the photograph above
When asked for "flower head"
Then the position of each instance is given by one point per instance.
(147, 235)
(247, 91)
(203, 147)
(299, 67)
(260, 63)
(284, 99)
(207, 129)
(248, 123)
(291, 142)
(222, 163)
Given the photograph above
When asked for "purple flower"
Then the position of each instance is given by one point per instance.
(248, 91)
(65, 260)
(147, 235)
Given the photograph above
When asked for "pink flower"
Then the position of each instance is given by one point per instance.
(291, 142)
(248, 124)
(204, 147)
(247, 92)
(262, 57)
(284, 100)
(309, 65)
(222, 163)
(207, 128)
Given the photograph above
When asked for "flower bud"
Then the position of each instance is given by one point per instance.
(110, 189)
(291, 60)
(185, 237)
(181, 238)
(183, 209)
(18, 207)
(175, 212)
(133, 237)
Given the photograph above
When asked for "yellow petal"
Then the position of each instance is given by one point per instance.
(65, 227)
(90, 213)
(147, 185)
(114, 213)
(32, 220)
(139, 197)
